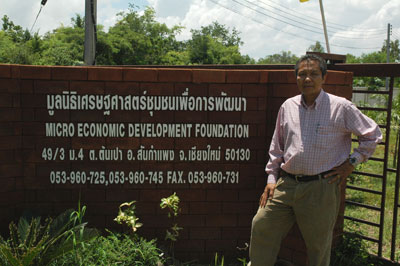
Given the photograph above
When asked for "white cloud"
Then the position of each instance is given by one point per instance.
(259, 40)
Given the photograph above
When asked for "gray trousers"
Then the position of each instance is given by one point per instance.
(313, 205)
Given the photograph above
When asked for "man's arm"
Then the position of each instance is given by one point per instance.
(369, 135)
(275, 160)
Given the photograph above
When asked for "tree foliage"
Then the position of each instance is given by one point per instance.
(137, 38)
(282, 58)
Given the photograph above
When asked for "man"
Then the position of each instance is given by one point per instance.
(309, 158)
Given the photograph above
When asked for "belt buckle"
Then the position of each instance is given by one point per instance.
(296, 177)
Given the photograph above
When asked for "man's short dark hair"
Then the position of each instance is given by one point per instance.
(312, 57)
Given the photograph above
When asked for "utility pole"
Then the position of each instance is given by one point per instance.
(90, 32)
(388, 52)
(321, 7)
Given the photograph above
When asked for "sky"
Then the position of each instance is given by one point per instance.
(266, 26)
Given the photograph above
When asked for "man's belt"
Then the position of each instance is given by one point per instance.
(305, 178)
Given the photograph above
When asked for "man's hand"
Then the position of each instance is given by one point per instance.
(340, 172)
(267, 194)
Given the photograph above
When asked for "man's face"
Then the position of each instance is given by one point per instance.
(309, 78)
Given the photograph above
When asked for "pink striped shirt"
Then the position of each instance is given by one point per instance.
(314, 139)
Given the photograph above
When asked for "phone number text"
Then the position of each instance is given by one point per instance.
(143, 177)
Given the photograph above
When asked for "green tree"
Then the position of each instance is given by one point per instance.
(317, 47)
(394, 52)
(216, 44)
(140, 40)
(282, 58)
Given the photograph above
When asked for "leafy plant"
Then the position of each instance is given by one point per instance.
(115, 249)
(172, 204)
(352, 251)
(33, 243)
(217, 261)
(128, 216)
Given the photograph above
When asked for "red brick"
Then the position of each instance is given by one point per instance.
(231, 90)
(56, 195)
(11, 197)
(10, 170)
(26, 86)
(15, 71)
(205, 207)
(344, 91)
(154, 195)
(238, 208)
(249, 195)
(7, 156)
(236, 233)
(87, 143)
(88, 116)
(140, 74)
(50, 87)
(9, 86)
(69, 73)
(6, 100)
(158, 143)
(100, 73)
(252, 104)
(282, 76)
(16, 100)
(42, 115)
(222, 195)
(190, 245)
(300, 258)
(191, 220)
(122, 88)
(126, 143)
(157, 88)
(192, 89)
(33, 129)
(254, 117)
(245, 219)
(155, 221)
(35, 72)
(221, 220)
(35, 100)
(255, 90)
(349, 78)
(264, 76)
(87, 87)
(174, 75)
(192, 195)
(205, 233)
(10, 142)
(209, 76)
(190, 116)
(145, 208)
(242, 76)
(335, 77)
(284, 90)
(7, 182)
(224, 117)
(118, 195)
(286, 254)
(5, 71)
(221, 245)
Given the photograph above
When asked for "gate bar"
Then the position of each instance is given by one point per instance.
(396, 204)
(385, 166)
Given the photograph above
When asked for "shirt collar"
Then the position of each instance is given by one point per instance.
(316, 103)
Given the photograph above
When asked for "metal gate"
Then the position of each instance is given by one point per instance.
(374, 226)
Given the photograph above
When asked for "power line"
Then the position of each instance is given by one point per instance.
(290, 33)
(40, 10)
(316, 19)
(303, 18)
(291, 24)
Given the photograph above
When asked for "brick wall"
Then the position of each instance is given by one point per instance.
(216, 217)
